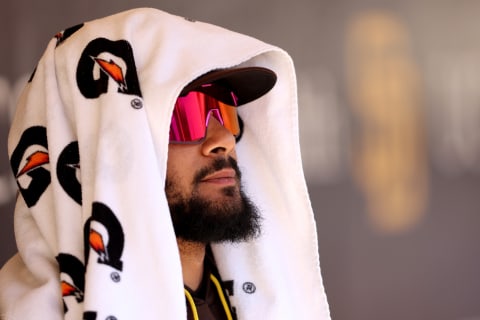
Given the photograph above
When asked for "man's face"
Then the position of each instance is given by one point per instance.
(204, 190)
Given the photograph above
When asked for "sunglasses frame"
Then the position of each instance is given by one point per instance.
(200, 99)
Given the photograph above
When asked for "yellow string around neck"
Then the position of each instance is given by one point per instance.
(222, 296)
(192, 304)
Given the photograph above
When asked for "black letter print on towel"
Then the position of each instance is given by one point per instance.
(33, 149)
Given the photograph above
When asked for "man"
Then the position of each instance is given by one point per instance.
(203, 187)
(120, 109)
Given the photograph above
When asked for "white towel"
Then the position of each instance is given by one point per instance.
(94, 234)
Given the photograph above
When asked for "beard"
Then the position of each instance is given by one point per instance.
(234, 218)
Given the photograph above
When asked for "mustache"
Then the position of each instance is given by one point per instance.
(218, 164)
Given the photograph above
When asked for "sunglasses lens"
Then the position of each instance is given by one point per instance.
(191, 113)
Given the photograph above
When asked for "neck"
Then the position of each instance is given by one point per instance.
(192, 255)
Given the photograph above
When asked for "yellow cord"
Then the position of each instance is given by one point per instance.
(222, 297)
(192, 304)
(220, 294)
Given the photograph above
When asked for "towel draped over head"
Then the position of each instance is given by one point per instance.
(89, 146)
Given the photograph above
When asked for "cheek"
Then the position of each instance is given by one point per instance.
(175, 175)
(175, 186)
(179, 171)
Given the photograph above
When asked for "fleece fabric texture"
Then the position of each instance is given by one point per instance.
(88, 147)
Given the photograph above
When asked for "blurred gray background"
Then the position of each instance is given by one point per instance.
(389, 97)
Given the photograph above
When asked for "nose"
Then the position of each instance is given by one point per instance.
(218, 139)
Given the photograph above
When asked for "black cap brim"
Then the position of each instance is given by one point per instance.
(248, 84)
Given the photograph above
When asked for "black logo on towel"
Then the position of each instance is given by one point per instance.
(249, 287)
(104, 234)
(103, 61)
(92, 315)
(65, 34)
(29, 162)
(68, 169)
(73, 282)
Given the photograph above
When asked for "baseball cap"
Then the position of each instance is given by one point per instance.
(247, 83)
